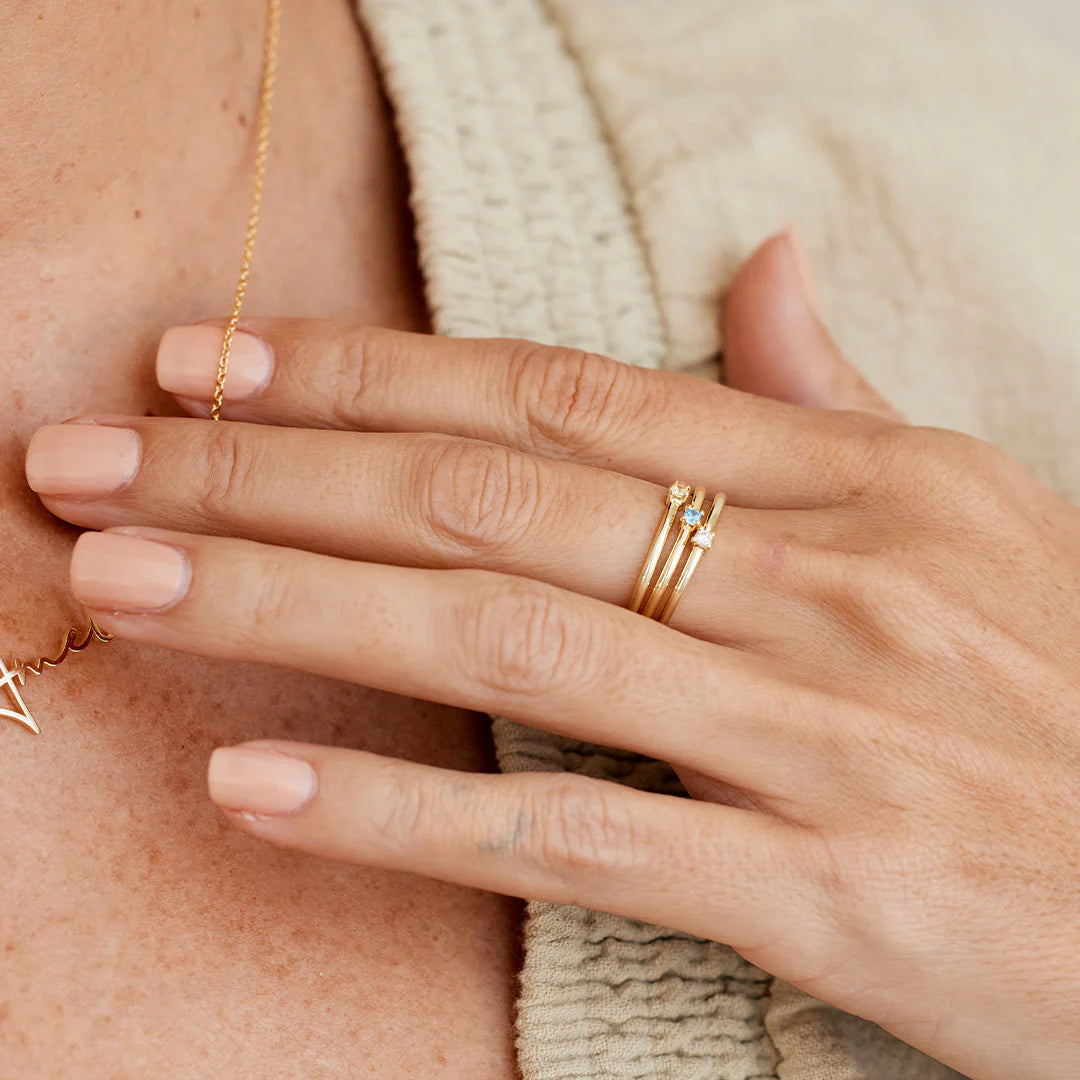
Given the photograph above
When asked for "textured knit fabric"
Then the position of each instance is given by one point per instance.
(590, 173)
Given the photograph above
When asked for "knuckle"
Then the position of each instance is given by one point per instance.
(475, 497)
(229, 470)
(270, 597)
(571, 399)
(983, 475)
(404, 813)
(521, 640)
(581, 825)
(884, 458)
(898, 605)
(944, 470)
(362, 356)
(852, 584)
(945, 459)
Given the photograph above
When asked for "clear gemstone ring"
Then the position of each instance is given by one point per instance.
(700, 542)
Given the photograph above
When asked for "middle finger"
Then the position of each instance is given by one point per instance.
(411, 500)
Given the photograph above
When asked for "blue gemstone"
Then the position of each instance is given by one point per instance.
(692, 516)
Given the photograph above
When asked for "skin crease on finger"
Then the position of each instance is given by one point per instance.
(136, 925)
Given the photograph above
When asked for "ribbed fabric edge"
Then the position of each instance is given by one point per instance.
(522, 224)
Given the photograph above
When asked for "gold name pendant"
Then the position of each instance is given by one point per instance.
(11, 679)
(8, 680)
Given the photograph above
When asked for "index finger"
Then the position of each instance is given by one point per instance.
(555, 402)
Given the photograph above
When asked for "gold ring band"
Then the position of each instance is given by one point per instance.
(678, 496)
(701, 541)
(691, 515)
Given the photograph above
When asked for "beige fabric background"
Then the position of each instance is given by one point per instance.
(1058, 20)
(591, 172)
(929, 153)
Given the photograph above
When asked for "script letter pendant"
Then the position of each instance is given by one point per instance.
(11, 681)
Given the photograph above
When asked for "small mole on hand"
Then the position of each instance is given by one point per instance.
(242, 118)
(138, 213)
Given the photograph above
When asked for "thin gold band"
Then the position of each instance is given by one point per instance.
(662, 583)
(678, 494)
(701, 541)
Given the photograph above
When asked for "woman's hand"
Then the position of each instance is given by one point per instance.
(872, 684)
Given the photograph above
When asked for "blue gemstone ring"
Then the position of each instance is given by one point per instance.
(656, 595)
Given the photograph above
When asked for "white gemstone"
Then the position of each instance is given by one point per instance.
(679, 492)
(702, 539)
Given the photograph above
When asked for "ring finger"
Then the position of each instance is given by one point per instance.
(414, 500)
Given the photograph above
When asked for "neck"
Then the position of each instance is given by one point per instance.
(101, 104)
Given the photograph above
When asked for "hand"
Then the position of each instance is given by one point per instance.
(871, 685)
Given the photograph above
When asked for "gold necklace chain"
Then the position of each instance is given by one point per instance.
(262, 147)
(76, 640)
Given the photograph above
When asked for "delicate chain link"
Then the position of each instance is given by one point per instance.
(262, 145)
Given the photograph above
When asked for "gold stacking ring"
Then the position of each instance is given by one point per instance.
(678, 496)
(691, 517)
(696, 533)
(701, 541)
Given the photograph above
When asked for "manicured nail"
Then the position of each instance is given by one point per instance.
(81, 460)
(805, 268)
(188, 356)
(258, 781)
(116, 572)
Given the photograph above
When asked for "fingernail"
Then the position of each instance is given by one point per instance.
(84, 460)
(188, 357)
(245, 778)
(804, 268)
(115, 572)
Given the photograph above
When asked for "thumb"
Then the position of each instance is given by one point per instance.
(774, 342)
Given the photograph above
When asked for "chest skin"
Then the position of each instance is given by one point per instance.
(139, 935)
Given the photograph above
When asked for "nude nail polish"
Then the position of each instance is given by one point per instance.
(259, 781)
(120, 573)
(188, 356)
(82, 460)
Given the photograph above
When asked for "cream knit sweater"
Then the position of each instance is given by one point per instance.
(590, 173)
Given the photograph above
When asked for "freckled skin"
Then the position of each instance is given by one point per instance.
(136, 926)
